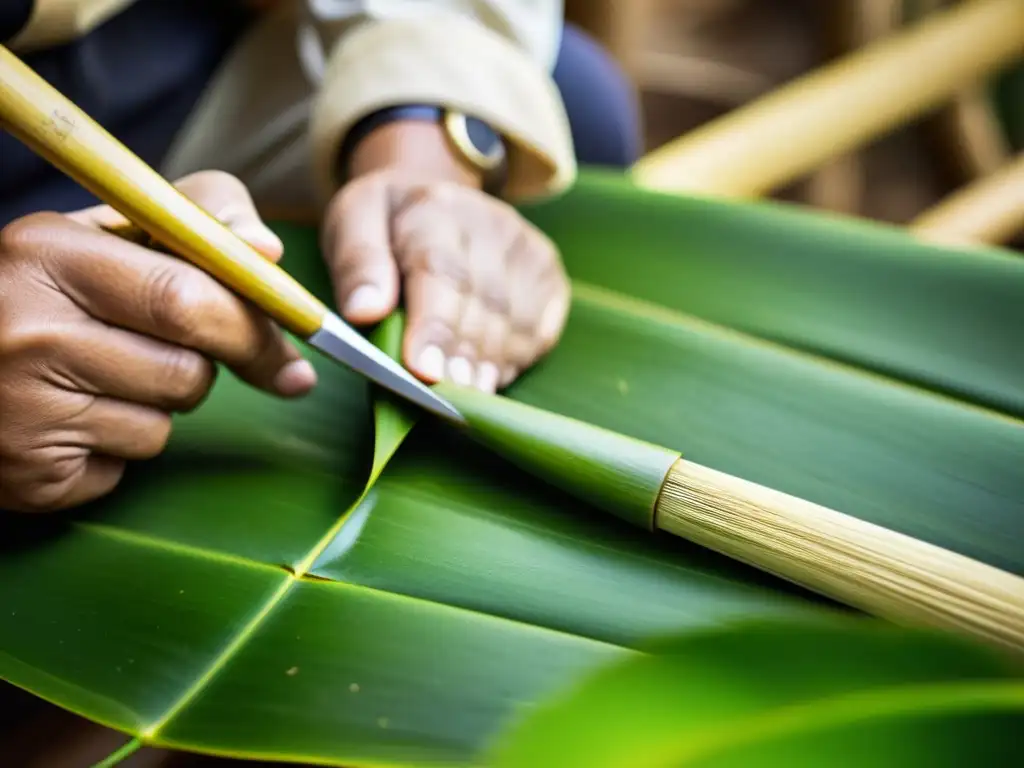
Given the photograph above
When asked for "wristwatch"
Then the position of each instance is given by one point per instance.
(474, 142)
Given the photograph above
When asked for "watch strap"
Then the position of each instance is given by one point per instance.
(478, 143)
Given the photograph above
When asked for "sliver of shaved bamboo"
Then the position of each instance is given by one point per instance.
(782, 136)
(991, 210)
(861, 564)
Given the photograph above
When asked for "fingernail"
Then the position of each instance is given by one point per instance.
(296, 378)
(366, 299)
(260, 238)
(431, 363)
(487, 377)
(460, 371)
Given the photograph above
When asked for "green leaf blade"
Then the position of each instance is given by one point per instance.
(726, 696)
(848, 289)
(343, 673)
(175, 611)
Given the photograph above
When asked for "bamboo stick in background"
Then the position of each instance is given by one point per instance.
(991, 210)
(968, 131)
(786, 134)
(861, 564)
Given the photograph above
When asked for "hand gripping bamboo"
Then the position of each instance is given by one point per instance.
(52, 126)
(863, 565)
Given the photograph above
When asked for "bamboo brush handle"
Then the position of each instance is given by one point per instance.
(53, 127)
(858, 563)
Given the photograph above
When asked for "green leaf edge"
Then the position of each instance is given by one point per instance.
(865, 707)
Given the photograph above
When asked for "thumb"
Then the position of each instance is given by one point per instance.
(358, 251)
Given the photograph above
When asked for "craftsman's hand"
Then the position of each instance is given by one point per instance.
(102, 339)
(485, 292)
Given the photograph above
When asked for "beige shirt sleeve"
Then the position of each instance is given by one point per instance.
(489, 58)
(58, 21)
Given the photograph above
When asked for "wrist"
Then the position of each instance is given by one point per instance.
(413, 146)
(428, 141)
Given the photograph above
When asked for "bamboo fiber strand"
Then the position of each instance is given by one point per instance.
(990, 210)
(789, 132)
(861, 564)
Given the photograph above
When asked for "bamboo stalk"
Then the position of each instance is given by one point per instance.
(991, 210)
(784, 135)
(858, 563)
(866, 566)
(975, 141)
(968, 131)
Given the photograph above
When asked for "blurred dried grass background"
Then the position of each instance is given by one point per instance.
(694, 60)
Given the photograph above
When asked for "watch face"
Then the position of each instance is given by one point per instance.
(482, 136)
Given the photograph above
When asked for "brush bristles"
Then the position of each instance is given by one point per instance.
(861, 564)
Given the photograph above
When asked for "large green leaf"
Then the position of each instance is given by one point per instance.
(758, 694)
(243, 595)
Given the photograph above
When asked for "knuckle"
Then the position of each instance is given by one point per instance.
(424, 196)
(441, 262)
(187, 377)
(28, 233)
(45, 487)
(176, 302)
(495, 298)
(23, 341)
(434, 329)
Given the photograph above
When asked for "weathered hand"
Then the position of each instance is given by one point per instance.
(485, 291)
(101, 339)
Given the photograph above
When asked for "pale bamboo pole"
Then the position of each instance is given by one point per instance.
(861, 564)
(974, 135)
(786, 134)
(991, 210)
(969, 128)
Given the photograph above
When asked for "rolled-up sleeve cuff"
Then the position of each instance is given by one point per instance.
(458, 63)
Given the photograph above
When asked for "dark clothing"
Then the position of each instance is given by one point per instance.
(138, 75)
(14, 15)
